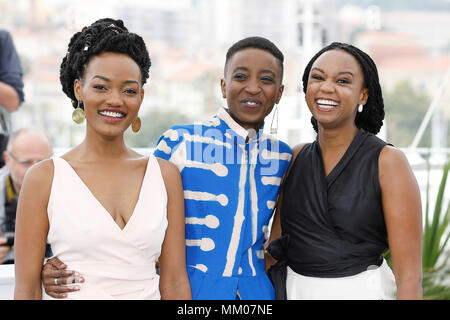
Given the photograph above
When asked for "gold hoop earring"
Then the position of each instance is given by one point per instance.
(136, 124)
(78, 115)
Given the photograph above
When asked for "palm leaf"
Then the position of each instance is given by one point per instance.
(433, 289)
(433, 248)
(435, 231)
(426, 232)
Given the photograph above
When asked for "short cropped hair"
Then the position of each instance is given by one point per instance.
(256, 43)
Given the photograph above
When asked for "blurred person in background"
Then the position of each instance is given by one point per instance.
(11, 86)
(26, 147)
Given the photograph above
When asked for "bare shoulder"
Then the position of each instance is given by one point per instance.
(167, 166)
(394, 169)
(296, 149)
(392, 158)
(41, 172)
(38, 181)
(168, 170)
(173, 184)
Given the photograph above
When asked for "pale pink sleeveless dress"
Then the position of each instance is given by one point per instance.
(116, 263)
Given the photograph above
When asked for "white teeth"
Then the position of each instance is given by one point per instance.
(251, 103)
(322, 106)
(327, 103)
(112, 114)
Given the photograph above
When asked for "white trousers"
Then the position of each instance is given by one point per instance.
(376, 283)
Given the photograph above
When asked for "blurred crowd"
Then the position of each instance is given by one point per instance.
(19, 149)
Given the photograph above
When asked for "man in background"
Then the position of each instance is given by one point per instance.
(11, 86)
(25, 147)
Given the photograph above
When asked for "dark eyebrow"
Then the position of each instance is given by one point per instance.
(108, 80)
(240, 68)
(101, 78)
(318, 69)
(340, 73)
(246, 69)
(269, 71)
(131, 81)
(345, 72)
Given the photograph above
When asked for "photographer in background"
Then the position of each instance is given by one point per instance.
(11, 86)
(25, 147)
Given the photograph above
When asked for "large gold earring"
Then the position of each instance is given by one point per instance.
(136, 124)
(78, 115)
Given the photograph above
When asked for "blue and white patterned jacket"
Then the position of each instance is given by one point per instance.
(230, 190)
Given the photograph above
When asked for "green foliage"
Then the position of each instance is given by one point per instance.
(433, 289)
(434, 256)
(434, 230)
(405, 108)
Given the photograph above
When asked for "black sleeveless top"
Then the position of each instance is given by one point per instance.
(335, 224)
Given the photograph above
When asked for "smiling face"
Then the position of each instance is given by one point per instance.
(252, 85)
(111, 91)
(335, 89)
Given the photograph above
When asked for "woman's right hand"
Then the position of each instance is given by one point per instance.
(57, 279)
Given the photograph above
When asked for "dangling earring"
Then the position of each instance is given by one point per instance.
(136, 124)
(274, 129)
(360, 108)
(78, 114)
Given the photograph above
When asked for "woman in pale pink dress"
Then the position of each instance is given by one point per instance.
(107, 211)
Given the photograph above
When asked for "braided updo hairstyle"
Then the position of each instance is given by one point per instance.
(104, 35)
(371, 118)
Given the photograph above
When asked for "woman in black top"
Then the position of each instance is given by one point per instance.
(348, 196)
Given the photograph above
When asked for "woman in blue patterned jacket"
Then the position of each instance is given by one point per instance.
(231, 174)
